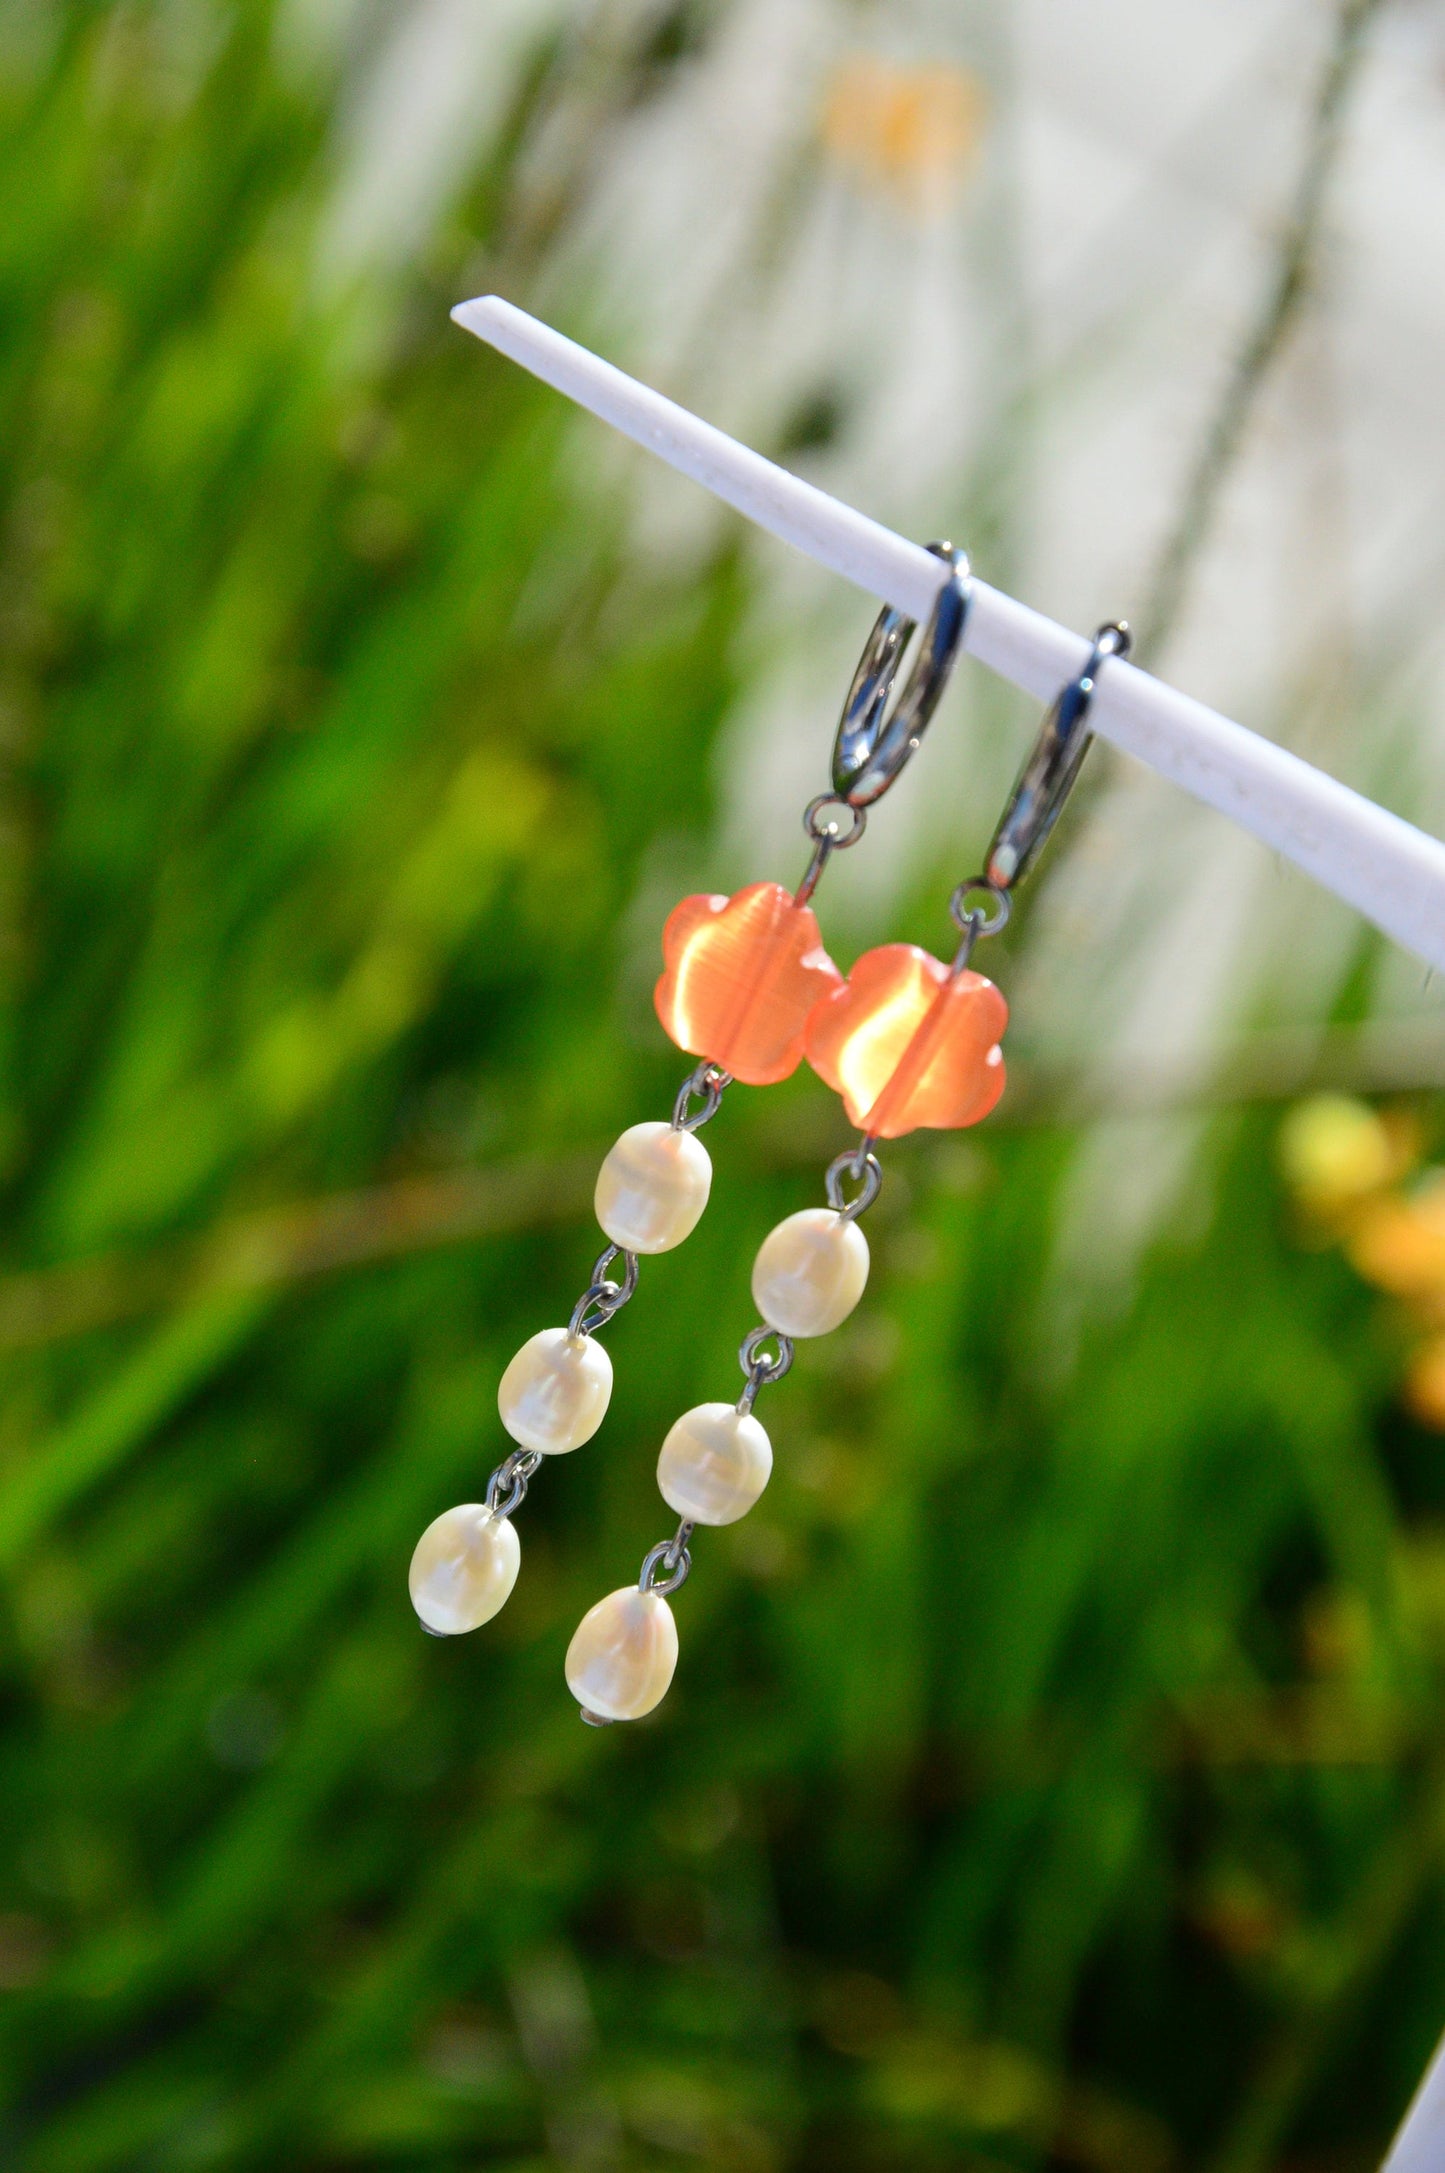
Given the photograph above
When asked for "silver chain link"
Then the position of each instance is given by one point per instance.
(759, 1370)
(863, 1166)
(828, 837)
(709, 1081)
(507, 1487)
(670, 1556)
(974, 921)
(603, 1297)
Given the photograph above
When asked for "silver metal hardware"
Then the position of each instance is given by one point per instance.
(1045, 781)
(974, 921)
(670, 1556)
(602, 1297)
(828, 838)
(761, 1370)
(507, 1487)
(871, 749)
(710, 1081)
(863, 1166)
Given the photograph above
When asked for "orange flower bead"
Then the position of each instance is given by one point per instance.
(906, 1042)
(743, 974)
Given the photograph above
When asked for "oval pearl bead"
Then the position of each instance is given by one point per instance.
(714, 1464)
(463, 1569)
(554, 1395)
(810, 1272)
(622, 1655)
(653, 1187)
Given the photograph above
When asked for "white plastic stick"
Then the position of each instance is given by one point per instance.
(1388, 870)
(1420, 2145)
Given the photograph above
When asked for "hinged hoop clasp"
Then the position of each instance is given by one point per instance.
(871, 749)
(1047, 777)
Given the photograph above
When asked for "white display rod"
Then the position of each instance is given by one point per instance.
(1420, 2145)
(1381, 865)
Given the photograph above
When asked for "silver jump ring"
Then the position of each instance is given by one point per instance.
(857, 1163)
(507, 1487)
(709, 1080)
(671, 1555)
(1047, 777)
(827, 839)
(603, 1297)
(762, 1372)
(972, 919)
(828, 833)
(871, 749)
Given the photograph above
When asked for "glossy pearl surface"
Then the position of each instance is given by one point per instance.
(714, 1464)
(554, 1395)
(653, 1187)
(622, 1655)
(463, 1569)
(810, 1272)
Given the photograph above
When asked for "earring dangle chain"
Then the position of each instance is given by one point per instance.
(809, 1274)
(908, 1041)
(741, 978)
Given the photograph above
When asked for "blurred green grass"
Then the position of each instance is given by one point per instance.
(1053, 1771)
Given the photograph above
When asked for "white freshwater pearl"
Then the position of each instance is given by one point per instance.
(652, 1188)
(714, 1464)
(464, 1568)
(554, 1395)
(810, 1272)
(622, 1654)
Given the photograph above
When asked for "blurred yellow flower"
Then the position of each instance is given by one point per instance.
(913, 132)
(1399, 1243)
(1345, 1164)
(1335, 1152)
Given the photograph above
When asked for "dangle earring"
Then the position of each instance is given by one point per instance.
(742, 977)
(908, 1042)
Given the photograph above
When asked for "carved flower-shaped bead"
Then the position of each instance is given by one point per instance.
(908, 1043)
(743, 975)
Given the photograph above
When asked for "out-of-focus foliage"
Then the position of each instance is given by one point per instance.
(1053, 1773)
(1357, 1176)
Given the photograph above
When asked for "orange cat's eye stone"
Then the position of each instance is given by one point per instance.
(907, 1044)
(742, 976)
